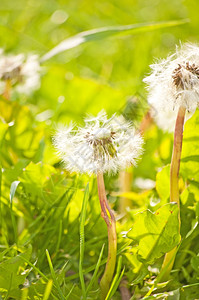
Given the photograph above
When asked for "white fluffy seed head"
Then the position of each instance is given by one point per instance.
(23, 73)
(174, 82)
(103, 145)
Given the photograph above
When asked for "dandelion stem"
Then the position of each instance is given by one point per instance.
(7, 90)
(175, 161)
(109, 218)
(146, 122)
(174, 185)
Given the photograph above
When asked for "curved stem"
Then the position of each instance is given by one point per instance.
(145, 123)
(109, 218)
(174, 186)
(176, 155)
(7, 90)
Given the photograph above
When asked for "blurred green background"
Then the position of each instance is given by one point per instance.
(100, 74)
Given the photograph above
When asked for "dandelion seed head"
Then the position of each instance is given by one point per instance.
(174, 82)
(102, 145)
(23, 73)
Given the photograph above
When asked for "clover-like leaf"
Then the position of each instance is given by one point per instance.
(156, 233)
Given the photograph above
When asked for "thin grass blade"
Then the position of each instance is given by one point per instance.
(59, 237)
(48, 289)
(105, 32)
(54, 276)
(116, 280)
(13, 188)
(82, 240)
(92, 268)
(35, 268)
(67, 297)
(96, 270)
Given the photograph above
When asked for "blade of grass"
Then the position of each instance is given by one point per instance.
(35, 268)
(92, 268)
(67, 297)
(24, 294)
(105, 32)
(96, 270)
(13, 188)
(59, 236)
(54, 276)
(116, 280)
(82, 239)
(48, 289)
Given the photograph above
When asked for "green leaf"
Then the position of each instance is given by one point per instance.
(48, 290)
(12, 270)
(102, 33)
(195, 263)
(35, 179)
(141, 275)
(3, 129)
(190, 151)
(156, 233)
(163, 184)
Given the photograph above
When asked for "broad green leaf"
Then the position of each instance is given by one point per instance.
(189, 291)
(93, 96)
(14, 172)
(195, 263)
(3, 129)
(163, 184)
(12, 270)
(156, 233)
(35, 177)
(101, 33)
(190, 151)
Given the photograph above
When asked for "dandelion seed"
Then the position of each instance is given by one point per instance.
(174, 83)
(23, 74)
(103, 145)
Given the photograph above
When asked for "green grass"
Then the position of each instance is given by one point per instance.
(53, 241)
